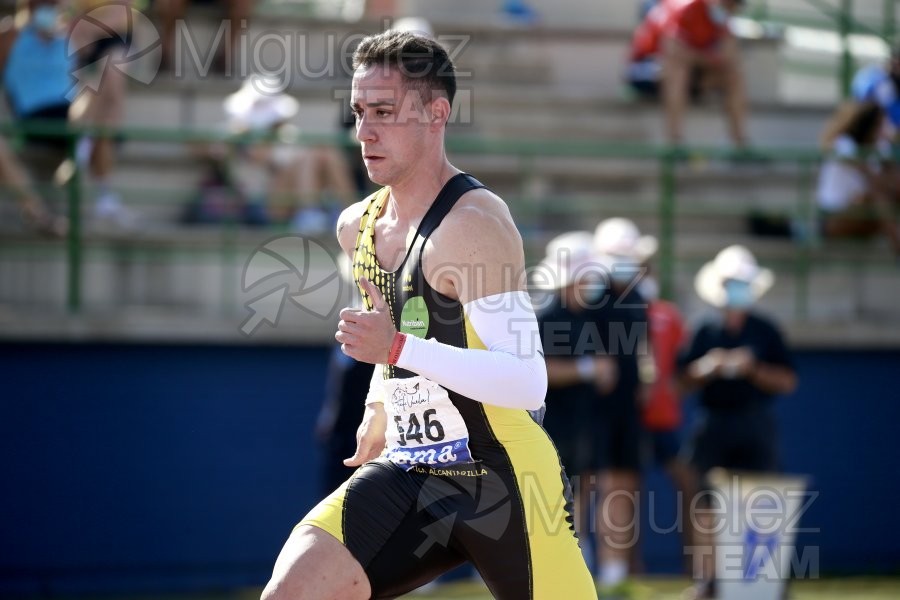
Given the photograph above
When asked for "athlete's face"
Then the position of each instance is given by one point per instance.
(392, 123)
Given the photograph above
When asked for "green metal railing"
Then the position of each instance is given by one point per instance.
(527, 154)
(838, 18)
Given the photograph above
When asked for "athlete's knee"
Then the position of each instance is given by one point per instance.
(345, 590)
(271, 592)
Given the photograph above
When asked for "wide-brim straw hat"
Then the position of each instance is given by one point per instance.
(261, 103)
(621, 237)
(734, 262)
(569, 259)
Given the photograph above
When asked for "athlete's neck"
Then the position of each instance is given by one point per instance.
(410, 199)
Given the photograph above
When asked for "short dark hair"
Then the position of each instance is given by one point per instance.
(423, 63)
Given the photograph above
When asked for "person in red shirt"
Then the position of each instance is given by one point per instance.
(661, 407)
(644, 70)
(696, 34)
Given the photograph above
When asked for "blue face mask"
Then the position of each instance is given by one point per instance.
(738, 294)
(648, 288)
(623, 270)
(44, 18)
(718, 14)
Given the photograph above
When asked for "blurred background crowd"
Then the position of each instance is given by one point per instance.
(720, 174)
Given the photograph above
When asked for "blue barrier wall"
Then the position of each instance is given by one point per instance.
(141, 468)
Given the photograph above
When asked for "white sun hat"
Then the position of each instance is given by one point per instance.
(260, 103)
(621, 237)
(569, 258)
(734, 262)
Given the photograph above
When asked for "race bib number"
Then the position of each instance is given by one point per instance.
(424, 427)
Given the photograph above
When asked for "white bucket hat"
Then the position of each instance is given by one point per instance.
(260, 103)
(569, 258)
(734, 262)
(621, 237)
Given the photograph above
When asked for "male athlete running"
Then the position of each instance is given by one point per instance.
(453, 464)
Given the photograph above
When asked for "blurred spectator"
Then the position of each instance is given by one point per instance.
(661, 408)
(645, 7)
(858, 188)
(881, 84)
(16, 182)
(520, 12)
(644, 70)
(103, 47)
(37, 77)
(227, 58)
(621, 249)
(739, 362)
(346, 386)
(270, 170)
(578, 368)
(679, 37)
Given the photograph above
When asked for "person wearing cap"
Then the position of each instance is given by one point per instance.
(578, 367)
(695, 34)
(621, 249)
(738, 362)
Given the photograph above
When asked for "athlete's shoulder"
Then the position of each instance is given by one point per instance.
(480, 212)
(481, 226)
(348, 224)
(479, 239)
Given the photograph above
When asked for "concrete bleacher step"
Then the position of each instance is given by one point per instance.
(144, 282)
(541, 186)
(556, 82)
(493, 110)
(563, 56)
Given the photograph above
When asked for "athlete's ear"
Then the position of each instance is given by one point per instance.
(440, 111)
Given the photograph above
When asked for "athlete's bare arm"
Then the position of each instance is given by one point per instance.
(370, 436)
(475, 257)
(348, 226)
(477, 250)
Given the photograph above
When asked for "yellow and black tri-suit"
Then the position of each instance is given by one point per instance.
(460, 480)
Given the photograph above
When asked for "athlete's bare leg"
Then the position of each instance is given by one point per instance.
(313, 565)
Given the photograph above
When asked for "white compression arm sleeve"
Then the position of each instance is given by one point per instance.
(376, 387)
(510, 373)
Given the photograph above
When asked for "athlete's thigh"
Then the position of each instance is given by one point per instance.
(379, 516)
(313, 564)
(517, 528)
(365, 511)
(419, 551)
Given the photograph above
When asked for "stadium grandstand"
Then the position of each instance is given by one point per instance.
(164, 368)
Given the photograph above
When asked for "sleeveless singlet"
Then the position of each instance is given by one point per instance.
(427, 423)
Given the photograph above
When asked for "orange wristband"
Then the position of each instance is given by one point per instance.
(396, 348)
